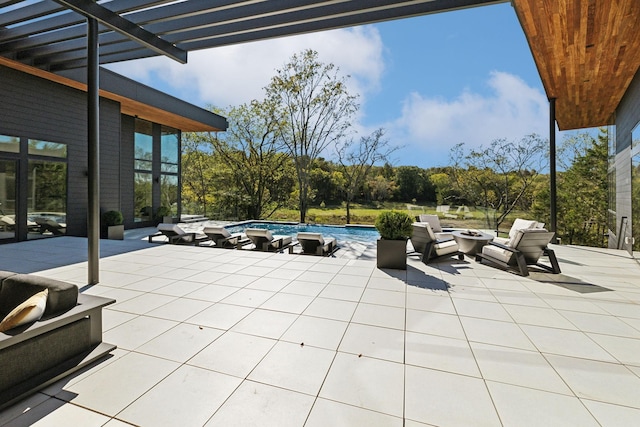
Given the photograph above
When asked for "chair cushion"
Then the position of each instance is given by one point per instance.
(170, 228)
(62, 296)
(521, 224)
(515, 240)
(311, 236)
(497, 253)
(217, 230)
(259, 232)
(28, 311)
(445, 248)
(433, 220)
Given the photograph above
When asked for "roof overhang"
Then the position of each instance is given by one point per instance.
(135, 99)
(587, 52)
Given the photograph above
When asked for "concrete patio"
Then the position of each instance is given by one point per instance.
(239, 338)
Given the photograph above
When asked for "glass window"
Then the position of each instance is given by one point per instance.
(46, 148)
(8, 199)
(46, 198)
(169, 192)
(9, 144)
(143, 145)
(143, 197)
(169, 150)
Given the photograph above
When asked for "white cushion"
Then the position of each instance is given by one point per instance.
(433, 221)
(173, 228)
(311, 236)
(217, 230)
(521, 224)
(495, 252)
(259, 232)
(445, 248)
(29, 311)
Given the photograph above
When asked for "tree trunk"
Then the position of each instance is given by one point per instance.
(348, 212)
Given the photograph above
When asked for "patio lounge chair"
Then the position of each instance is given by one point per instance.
(223, 239)
(267, 242)
(518, 224)
(315, 244)
(424, 241)
(524, 249)
(434, 222)
(176, 235)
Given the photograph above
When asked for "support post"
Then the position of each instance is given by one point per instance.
(93, 161)
(552, 167)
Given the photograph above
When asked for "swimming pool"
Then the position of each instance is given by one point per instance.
(361, 234)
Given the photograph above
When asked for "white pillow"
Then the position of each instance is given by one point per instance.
(27, 312)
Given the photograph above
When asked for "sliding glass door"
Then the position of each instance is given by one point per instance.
(8, 169)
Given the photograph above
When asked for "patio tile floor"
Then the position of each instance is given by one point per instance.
(210, 337)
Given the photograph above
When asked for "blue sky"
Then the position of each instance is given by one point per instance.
(431, 81)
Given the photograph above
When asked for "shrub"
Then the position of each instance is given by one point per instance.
(112, 218)
(162, 212)
(394, 225)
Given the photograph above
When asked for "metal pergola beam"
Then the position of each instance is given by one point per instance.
(123, 26)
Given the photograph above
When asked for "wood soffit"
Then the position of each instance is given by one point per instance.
(128, 106)
(586, 51)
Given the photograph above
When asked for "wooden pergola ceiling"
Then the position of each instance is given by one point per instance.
(587, 52)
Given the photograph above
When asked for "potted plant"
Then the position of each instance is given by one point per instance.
(163, 214)
(113, 222)
(394, 228)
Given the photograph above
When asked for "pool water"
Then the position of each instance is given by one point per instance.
(361, 234)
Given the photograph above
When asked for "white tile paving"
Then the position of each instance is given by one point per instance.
(226, 337)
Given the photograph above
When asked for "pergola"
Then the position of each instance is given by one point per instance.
(586, 51)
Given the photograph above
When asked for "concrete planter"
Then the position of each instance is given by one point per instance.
(115, 232)
(392, 254)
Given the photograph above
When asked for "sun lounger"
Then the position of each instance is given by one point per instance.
(267, 242)
(176, 235)
(221, 238)
(315, 244)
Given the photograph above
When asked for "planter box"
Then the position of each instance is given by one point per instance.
(392, 254)
(115, 232)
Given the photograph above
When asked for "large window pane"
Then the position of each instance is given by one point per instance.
(45, 148)
(47, 198)
(169, 150)
(7, 199)
(142, 194)
(143, 145)
(169, 192)
(9, 144)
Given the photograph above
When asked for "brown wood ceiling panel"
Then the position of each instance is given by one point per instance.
(586, 51)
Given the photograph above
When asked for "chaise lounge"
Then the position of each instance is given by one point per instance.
(267, 242)
(315, 244)
(176, 235)
(221, 237)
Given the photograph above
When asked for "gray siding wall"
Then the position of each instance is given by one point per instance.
(127, 147)
(627, 117)
(39, 109)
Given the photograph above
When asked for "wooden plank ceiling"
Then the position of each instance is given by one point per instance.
(587, 52)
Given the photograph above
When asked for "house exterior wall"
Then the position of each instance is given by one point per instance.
(35, 108)
(627, 117)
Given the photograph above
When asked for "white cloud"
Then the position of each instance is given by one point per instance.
(431, 126)
(232, 75)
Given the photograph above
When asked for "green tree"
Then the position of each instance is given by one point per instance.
(356, 159)
(581, 190)
(251, 150)
(314, 109)
(197, 175)
(498, 177)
